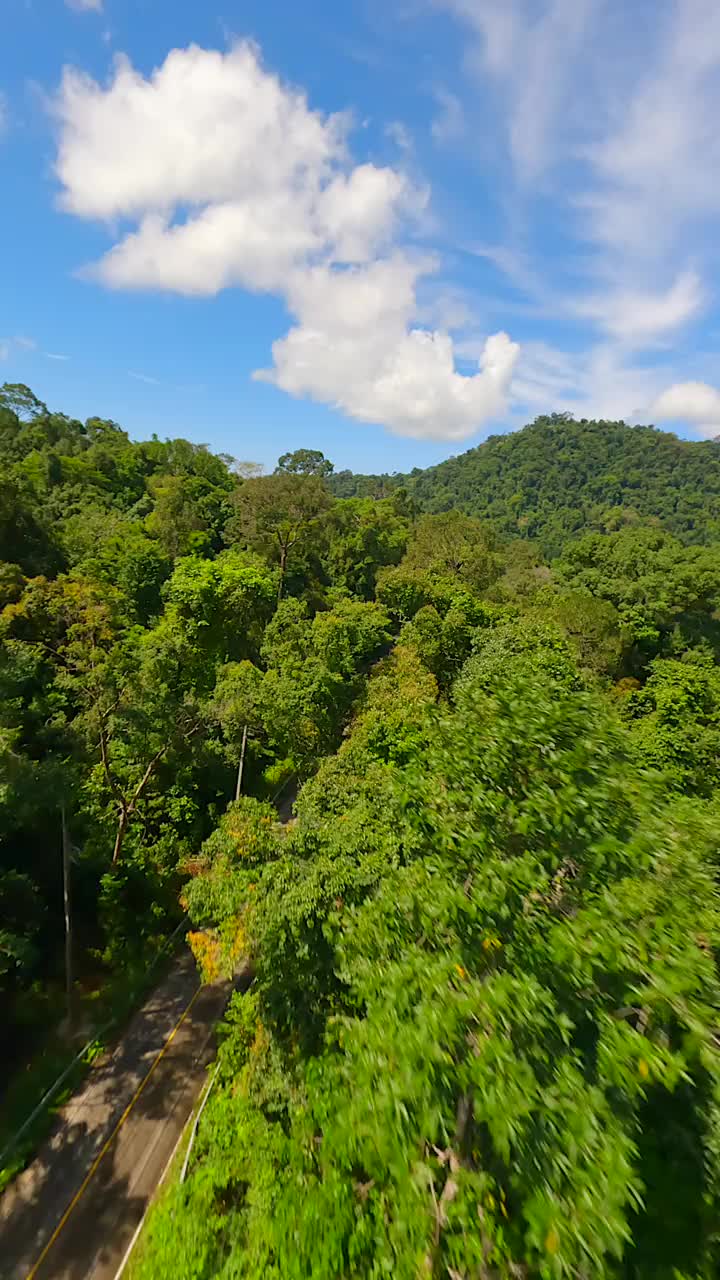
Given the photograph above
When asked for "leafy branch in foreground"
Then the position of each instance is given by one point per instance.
(514, 1010)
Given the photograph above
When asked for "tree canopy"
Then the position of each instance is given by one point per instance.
(437, 757)
(557, 478)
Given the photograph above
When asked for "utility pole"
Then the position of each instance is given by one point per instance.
(67, 904)
(238, 788)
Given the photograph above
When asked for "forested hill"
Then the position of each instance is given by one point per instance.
(482, 1034)
(558, 476)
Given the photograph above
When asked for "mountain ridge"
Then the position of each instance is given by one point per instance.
(559, 476)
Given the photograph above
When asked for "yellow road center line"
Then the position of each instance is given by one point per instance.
(93, 1167)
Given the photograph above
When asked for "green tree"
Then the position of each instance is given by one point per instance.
(222, 604)
(558, 478)
(25, 540)
(144, 718)
(236, 706)
(315, 673)
(593, 628)
(363, 536)
(453, 544)
(278, 516)
(675, 723)
(479, 1035)
(175, 519)
(656, 584)
(304, 462)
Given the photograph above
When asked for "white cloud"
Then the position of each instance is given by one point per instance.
(596, 383)
(54, 355)
(655, 166)
(446, 307)
(641, 318)
(144, 377)
(693, 402)
(607, 114)
(498, 22)
(633, 101)
(85, 6)
(353, 349)
(531, 51)
(231, 179)
(205, 128)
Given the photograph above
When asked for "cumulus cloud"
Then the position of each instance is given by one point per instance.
(205, 127)
(693, 402)
(229, 178)
(352, 348)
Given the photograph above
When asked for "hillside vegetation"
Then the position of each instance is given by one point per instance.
(558, 477)
(482, 1036)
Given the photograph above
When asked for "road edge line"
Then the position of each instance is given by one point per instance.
(136, 1235)
(109, 1141)
(150, 1203)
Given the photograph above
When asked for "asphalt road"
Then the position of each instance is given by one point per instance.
(72, 1214)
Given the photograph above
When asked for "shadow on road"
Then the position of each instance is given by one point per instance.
(103, 1218)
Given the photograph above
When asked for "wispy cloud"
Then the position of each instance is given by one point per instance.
(54, 355)
(530, 52)
(655, 166)
(144, 377)
(399, 133)
(606, 116)
(641, 318)
(449, 123)
(599, 382)
(85, 6)
(14, 345)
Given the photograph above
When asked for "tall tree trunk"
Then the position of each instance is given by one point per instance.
(283, 562)
(241, 765)
(128, 807)
(120, 835)
(67, 905)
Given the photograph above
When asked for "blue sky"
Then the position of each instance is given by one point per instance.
(382, 228)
